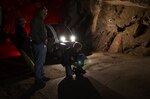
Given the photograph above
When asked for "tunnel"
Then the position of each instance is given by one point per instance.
(115, 38)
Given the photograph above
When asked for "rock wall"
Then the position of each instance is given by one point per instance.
(116, 26)
(123, 29)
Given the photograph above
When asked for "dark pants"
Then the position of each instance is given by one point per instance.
(69, 71)
(39, 51)
(67, 65)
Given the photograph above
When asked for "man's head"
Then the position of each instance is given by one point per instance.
(77, 46)
(42, 12)
(21, 21)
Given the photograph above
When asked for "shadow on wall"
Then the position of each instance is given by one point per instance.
(77, 89)
(140, 30)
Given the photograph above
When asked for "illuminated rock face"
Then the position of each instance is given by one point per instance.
(116, 26)
(129, 26)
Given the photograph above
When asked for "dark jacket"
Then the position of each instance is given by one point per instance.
(70, 56)
(20, 36)
(38, 31)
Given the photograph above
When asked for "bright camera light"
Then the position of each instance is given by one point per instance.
(79, 62)
(72, 38)
(63, 38)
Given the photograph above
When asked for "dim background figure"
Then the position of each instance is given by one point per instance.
(21, 40)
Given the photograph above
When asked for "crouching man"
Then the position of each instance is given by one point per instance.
(74, 57)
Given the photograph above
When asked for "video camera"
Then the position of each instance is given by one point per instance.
(79, 63)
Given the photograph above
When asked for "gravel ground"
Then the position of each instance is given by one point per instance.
(109, 76)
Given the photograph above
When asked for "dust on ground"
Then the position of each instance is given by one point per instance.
(108, 76)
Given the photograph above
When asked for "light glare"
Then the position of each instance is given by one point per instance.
(62, 38)
(72, 38)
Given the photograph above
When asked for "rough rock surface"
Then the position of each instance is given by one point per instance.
(98, 23)
(130, 22)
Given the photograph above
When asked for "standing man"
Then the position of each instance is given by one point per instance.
(39, 41)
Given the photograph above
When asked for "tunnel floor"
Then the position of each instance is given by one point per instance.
(108, 76)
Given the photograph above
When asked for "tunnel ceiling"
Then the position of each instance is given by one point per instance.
(136, 3)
